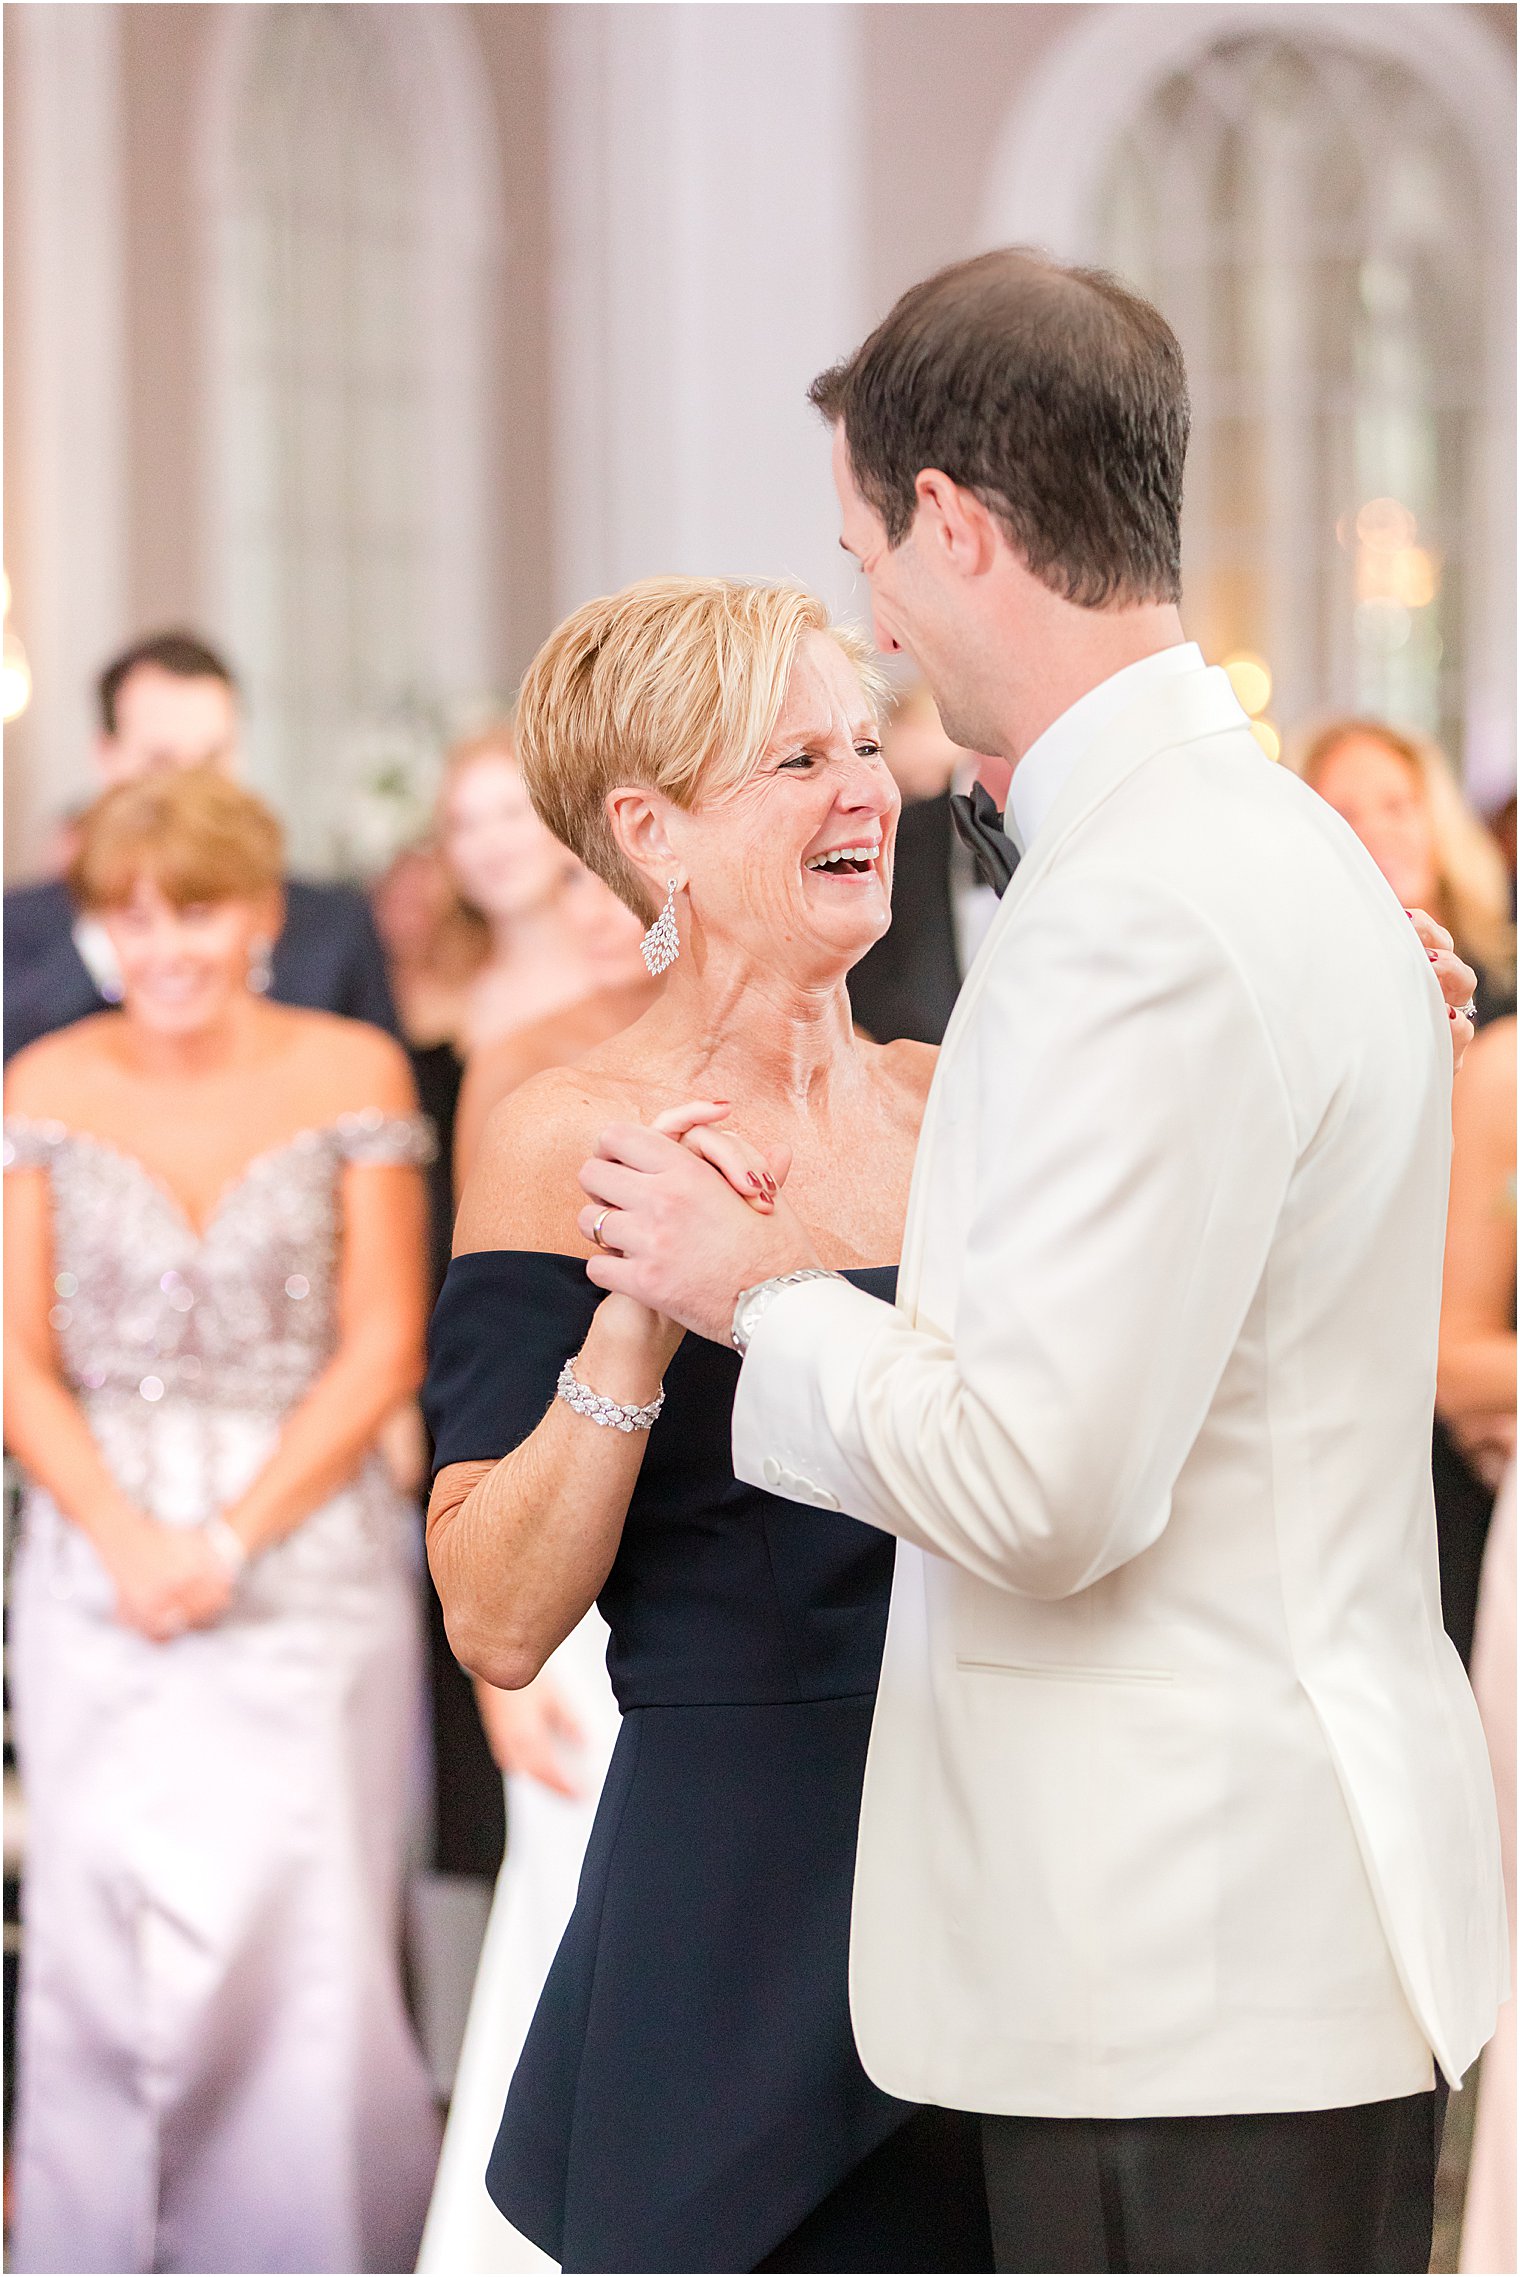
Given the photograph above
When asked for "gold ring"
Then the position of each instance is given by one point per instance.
(596, 1230)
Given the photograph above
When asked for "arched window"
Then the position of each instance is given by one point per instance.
(327, 552)
(351, 204)
(1313, 215)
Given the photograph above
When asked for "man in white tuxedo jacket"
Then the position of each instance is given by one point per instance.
(1178, 1856)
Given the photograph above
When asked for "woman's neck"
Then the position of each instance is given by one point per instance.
(213, 1050)
(745, 1031)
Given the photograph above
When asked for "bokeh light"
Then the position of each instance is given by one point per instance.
(1251, 678)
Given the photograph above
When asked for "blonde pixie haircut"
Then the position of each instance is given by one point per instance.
(197, 836)
(676, 683)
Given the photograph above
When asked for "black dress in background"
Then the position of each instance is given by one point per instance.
(469, 1803)
(689, 2097)
(1464, 1502)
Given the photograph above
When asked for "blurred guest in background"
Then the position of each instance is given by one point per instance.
(512, 873)
(171, 702)
(1401, 797)
(1502, 826)
(1476, 1393)
(482, 935)
(621, 990)
(493, 942)
(433, 945)
(906, 985)
(553, 1739)
(214, 1292)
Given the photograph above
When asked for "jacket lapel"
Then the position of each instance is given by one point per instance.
(1183, 710)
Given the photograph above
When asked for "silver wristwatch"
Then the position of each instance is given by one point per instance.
(752, 1302)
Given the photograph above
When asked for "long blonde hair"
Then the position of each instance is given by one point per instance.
(464, 934)
(1472, 881)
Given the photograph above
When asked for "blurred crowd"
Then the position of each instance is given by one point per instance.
(228, 1211)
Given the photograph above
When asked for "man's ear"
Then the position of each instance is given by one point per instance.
(954, 526)
(639, 820)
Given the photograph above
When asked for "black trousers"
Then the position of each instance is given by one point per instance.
(917, 2203)
(1275, 2191)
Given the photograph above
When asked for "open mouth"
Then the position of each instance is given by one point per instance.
(845, 862)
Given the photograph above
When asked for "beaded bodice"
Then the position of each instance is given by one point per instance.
(240, 1314)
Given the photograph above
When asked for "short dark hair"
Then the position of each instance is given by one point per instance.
(181, 653)
(1053, 393)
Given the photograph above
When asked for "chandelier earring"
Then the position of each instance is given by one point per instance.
(260, 967)
(661, 945)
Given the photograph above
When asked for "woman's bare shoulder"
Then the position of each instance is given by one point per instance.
(522, 1192)
(351, 1064)
(52, 1078)
(910, 1067)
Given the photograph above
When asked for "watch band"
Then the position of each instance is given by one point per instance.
(751, 1303)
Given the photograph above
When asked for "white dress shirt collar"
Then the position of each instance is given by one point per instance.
(98, 957)
(1040, 774)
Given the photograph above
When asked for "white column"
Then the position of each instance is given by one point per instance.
(707, 265)
(69, 600)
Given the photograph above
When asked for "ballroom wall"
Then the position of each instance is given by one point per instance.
(624, 238)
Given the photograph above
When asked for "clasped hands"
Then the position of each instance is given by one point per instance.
(685, 1217)
(168, 1579)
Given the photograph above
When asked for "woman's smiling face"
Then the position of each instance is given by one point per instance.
(796, 863)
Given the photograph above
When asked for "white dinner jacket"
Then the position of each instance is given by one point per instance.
(1177, 1800)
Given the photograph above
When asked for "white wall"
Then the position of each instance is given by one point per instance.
(67, 394)
(707, 264)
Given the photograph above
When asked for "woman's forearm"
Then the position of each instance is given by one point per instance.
(47, 1432)
(519, 1557)
(326, 1437)
(1476, 1375)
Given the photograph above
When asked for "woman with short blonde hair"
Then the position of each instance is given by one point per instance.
(213, 1296)
(675, 685)
(689, 2095)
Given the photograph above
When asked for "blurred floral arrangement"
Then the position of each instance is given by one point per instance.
(386, 776)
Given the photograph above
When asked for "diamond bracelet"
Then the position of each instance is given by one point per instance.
(607, 1412)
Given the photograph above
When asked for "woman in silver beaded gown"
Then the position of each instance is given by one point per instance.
(214, 1292)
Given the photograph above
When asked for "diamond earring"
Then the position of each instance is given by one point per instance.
(661, 945)
(260, 969)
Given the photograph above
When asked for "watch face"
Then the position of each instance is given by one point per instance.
(748, 1310)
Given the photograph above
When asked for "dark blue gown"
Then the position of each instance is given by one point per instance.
(689, 2096)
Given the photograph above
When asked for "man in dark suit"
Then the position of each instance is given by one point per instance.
(172, 702)
(906, 985)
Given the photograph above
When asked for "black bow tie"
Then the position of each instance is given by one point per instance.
(979, 827)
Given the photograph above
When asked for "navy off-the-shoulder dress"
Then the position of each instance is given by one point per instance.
(689, 2097)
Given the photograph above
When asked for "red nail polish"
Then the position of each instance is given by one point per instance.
(1451, 1011)
(756, 1182)
(1432, 956)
